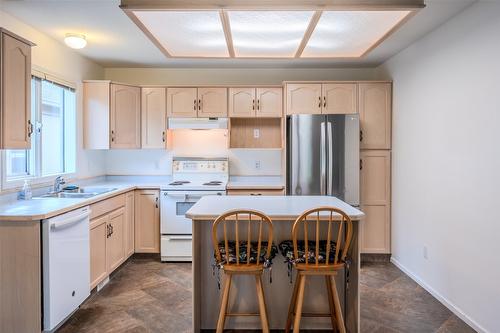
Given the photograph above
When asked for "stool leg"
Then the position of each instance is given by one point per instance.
(293, 303)
(262, 304)
(223, 306)
(300, 302)
(331, 302)
(338, 308)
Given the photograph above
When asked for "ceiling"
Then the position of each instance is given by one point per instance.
(115, 41)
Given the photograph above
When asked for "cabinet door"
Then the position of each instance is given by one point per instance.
(147, 221)
(303, 98)
(212, 102)
(98, 267)
(269, 102)
(15, 111)
(242, 102)
(125, 116)
(129, 223)
(153, 117)
(375, 183)
(115, 245)
(340, 98)
(182, 102)
(96, 113)
(375, 105)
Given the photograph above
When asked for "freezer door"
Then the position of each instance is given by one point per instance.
(306, 155)
(342, 142)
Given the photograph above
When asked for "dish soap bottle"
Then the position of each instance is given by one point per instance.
(25, 193)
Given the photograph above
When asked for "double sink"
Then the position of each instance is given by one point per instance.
(81, 193)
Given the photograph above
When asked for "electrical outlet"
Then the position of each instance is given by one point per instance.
(256, 133)
(426, 255)
(257, 165)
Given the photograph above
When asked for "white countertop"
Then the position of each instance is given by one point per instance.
(276, 207)
(255, 182)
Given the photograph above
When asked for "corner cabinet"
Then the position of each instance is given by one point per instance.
(147, 221)
(15, 91)
(111, 115)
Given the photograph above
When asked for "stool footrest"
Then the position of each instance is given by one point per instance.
(242, 314)
(326, 315)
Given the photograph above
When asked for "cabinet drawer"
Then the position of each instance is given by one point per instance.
(256, 192)
(106, 206)
(176, 247)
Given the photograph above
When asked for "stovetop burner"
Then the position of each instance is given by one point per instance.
(213, 183)
(179, 182)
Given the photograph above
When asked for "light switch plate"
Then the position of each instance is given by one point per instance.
(256, 133)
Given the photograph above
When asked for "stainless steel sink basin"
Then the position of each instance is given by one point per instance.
(82, 193)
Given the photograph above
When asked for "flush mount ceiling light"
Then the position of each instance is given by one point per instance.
(75, 41)
(269, 29)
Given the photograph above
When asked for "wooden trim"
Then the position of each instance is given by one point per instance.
(19, 38)
(307, 35)
(226, 25)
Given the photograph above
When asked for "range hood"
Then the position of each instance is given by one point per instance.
(197, 123)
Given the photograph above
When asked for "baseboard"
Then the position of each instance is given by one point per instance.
(452, 307)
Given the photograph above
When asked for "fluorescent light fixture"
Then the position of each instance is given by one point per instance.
(274, 34)
(75, 41)
(350, 34)
(187, 33)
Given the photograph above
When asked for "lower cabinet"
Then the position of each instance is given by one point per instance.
(147, 221)
(255, 192)
(111, 229)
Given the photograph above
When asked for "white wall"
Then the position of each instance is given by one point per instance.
(446, 162)
(55, 58)
(196, 143)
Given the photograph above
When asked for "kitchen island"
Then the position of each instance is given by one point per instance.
(283, 210)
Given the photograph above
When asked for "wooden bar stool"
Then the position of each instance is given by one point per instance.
(319, 258)
(240, 257)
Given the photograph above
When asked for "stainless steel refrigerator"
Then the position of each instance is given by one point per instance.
(323, 156)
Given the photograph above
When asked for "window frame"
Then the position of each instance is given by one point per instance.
(36, 177)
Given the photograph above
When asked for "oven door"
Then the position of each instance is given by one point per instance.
(174, 205)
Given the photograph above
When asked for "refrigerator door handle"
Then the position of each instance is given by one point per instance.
(330, 158)
(323, 160)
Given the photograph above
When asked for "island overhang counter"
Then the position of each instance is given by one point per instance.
(283, 210)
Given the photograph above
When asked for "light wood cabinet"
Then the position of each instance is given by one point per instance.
(153, 118)
(111, 115)
(339, 98)
(115, 243)
(129, 223)
(15, 92)
(248, 102)
(98, 235)
(182, 102)
(125, 116)
(255, 192)
(212, 102)
(147, 221)
(262, 133)
(375, 184)
(303, 98)
(375, 112)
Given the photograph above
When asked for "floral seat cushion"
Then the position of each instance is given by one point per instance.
(231, 255)
(286, 249)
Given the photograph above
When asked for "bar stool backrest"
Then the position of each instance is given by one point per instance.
(326, 215)
(241, 219)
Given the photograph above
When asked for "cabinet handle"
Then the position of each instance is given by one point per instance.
(112, 136)
(199, 104)
(195, 104)
(107, 231)
(30, 128)
(163, 136)
(319, 105)
(253, 104)
(324, 103)
(258, 104)
(156, 202)
(361, 136)
(360, 164)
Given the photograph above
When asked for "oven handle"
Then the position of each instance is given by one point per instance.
(187, 237)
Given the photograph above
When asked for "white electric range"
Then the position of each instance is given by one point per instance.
(192, 178)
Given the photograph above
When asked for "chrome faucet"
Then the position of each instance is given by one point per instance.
(58, 182)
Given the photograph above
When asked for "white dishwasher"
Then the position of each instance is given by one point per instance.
(66, 265)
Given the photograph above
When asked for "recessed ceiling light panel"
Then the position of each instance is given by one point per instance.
(273, 34)
(187, 33)
(350, 34)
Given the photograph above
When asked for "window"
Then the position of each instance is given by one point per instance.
(53, 144)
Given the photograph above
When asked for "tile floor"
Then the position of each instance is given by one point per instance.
(148, 296)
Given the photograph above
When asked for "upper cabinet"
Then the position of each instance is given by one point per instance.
(112, 115)
(321, 98)
(187, 102)
(125, 116)
(375, 110)
(15, 92)
(250, 102)
(153, 118)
